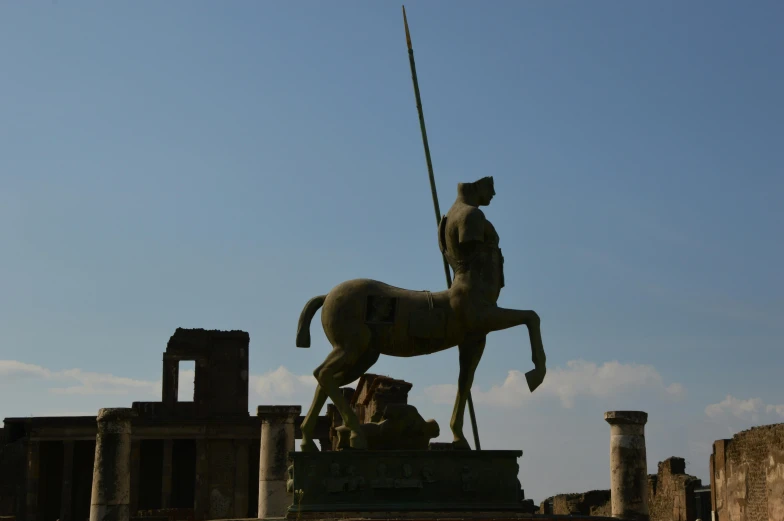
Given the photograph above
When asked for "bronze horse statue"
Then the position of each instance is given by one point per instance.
(364, 318)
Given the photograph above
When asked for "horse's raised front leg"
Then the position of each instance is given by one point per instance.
(471, 350)
(495, 319)
(309, 423)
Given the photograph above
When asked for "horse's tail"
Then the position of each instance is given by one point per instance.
(303, 327)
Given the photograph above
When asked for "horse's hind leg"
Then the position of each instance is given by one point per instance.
(471, 350)
(342, 367)
(309, 423)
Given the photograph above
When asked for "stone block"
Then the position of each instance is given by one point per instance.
(405, 480)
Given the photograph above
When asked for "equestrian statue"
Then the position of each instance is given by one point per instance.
(363, 318)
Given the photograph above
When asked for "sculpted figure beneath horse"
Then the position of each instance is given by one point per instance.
(364, 319)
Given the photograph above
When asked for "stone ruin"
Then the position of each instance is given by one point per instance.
(190, 460)
(204, 459)
(672, 495)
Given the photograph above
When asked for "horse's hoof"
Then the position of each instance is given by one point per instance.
(308, 446)
(357, 442)
(461, 445)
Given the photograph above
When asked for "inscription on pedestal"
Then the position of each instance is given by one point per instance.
(405, 480)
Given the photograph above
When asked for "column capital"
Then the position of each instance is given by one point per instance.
(626, 417)
(278, 413)
(116, 415)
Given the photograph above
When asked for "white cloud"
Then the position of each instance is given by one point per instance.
(282, 385)
(102, 383)
(775, 409)
(752, 409)
(273, 387)
(579, 378)
(11, 369)
(76, 381)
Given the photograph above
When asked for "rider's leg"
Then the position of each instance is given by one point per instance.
(471, 350)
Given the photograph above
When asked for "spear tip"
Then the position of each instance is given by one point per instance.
(408, 35)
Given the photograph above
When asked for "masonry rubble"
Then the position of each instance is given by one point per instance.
(673, 495)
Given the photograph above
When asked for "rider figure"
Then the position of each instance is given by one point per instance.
(470, 244)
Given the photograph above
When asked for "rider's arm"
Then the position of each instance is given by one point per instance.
(472, 229)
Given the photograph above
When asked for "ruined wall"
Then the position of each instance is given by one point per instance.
(368, 400)
(374, 393)
(221, 374)
(671, 492)
(747, 475)
(12, 466)
(671, 496)
(593, 503)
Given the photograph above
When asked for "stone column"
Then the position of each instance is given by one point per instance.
(201, 502)
(170, 382)
(33, 468)
(136, 459)
(628, 465)
(241, 456)
(67, 490)
(277, 440)
(112, 470)
(166, 479)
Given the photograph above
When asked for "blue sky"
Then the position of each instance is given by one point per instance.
(215, 165)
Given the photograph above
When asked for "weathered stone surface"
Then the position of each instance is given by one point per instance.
(628, 464)
(671, 492)
(374, 393)
(747, 475)
(431, 515)
(112, 468)
(277, 440)
(671, 496)
(13, 456)
(405, 481)
(221, 380)
(594, 503)
(172, 441)
(399, 427)
(221, 479)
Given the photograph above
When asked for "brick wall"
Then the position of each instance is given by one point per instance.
(671, 492)
(12, 471)
(747, 475)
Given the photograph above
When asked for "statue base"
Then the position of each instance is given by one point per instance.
(443, 516)
(405, 481)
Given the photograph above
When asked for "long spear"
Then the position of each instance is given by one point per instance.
(434, 193)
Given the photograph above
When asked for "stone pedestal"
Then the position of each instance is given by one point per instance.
(112, 470)
(628, 465)
(277, 440)
(385, 481)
